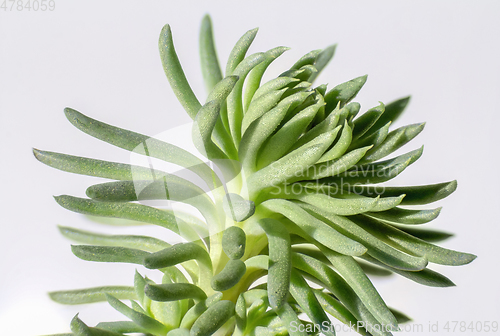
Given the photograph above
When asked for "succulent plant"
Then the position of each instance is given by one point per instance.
(294, 209)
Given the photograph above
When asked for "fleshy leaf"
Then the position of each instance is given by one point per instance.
(194, 312)
(142, 144)
(239, 50)
(177, 254)
(415, 195)
(425, 277)
(93, 167)
(210, 67)
(407, 216)
(255, 76)
(343, 93)
(395, 140)
(90, 295)
(79, 328)
(290, 319)
(144, 321)
(362, 286)
(280, 142)
(237, 208)
(234, 242)
(405, 242)
(333, 307)
(338, 286)
(109, 254)
(317, 229)
(363, 123)
(175, 74)
(213, 318)
(336, 167)
(145, 243)
(322, 60)
(341, 145)
(121, 327)
(392, 112)
(235, 99)
(174, 292)
(376, 248)
(229, 276)
(306, 299)
(132, 211)
(290, 166)
(280, 264)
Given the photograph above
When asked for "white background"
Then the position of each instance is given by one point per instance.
(100, 57)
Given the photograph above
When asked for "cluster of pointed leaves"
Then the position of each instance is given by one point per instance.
(304, 206)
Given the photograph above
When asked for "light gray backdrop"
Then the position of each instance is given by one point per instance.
(101, 58)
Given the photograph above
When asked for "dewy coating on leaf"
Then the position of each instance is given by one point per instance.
(299, 199)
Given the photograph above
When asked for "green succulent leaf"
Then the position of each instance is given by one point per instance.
(321, 61)
(407, 216)
(229, 276)
(179, 332)
(91, 295)
(79, 328)
(425, 277)
(290, 166)
(177, 254)
(210, 67)
(92, 167)
(280, 264)
(255, 76)
(327, 124)
(280, 142)
(133, 211)
(290, 320)
(363, 123)
(144, 321)
(175, 74)
(362, 286)
(145, 243)
(237, 208)
(409, 244)
(394, 140)
(260, 129)
(121, 327)
(142, 144)
(213, 318)
(307, 59)
(239, 50)
(339, 287)
(340, 146)
(401, 317)
(235, 99)
(318, 230)
(392, 112)
(234, 242)
(306, 299)
(336, 167)
(199, 308)
(376, 248)
(414, 195)
(333, 307)
(220, 134)
(344, 93)
(174, 292)
(109, 254)
(204, 124)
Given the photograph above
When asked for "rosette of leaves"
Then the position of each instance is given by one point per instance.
(288, 231)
